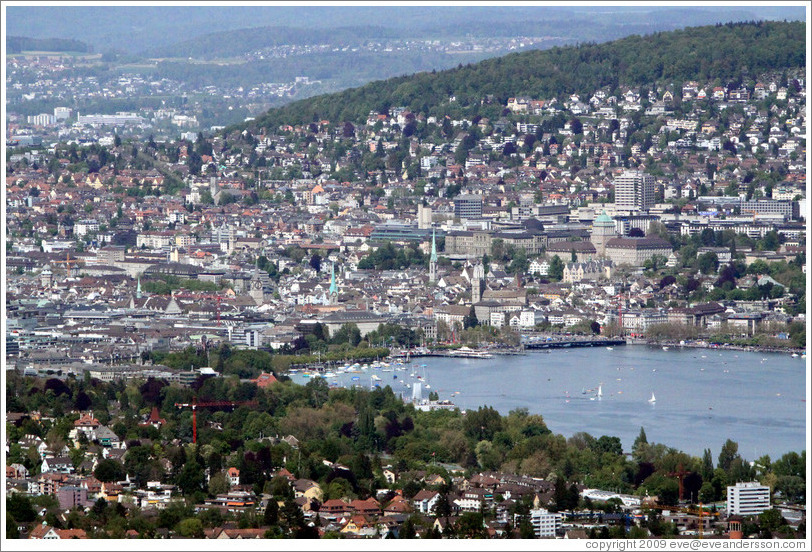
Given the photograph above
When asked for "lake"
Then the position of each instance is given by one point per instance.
(703, 396)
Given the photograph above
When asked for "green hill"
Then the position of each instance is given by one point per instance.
(726, 52)
(17, 44)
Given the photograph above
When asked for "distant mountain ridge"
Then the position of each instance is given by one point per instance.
(566, 27)
(239, 41)
(140, 28)
(699, 53)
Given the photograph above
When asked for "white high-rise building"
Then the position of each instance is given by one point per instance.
(747, 498)
(62, 113)
(544, 522)
(423, 217)
(634, 191)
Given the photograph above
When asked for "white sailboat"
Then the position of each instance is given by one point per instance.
(652, 400)
(598, 395)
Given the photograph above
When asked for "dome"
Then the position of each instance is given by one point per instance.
(603, 219)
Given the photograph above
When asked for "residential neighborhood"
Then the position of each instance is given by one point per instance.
(226, 332)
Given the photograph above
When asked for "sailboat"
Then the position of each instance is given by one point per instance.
(599, 394)
(652, 400)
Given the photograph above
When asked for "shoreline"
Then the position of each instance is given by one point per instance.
(723, 346)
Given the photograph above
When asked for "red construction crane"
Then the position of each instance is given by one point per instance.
(68, 262)
(680, 475)
(194, 405)
(199, 296)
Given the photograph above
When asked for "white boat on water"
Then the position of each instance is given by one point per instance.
(467, 352)
(665, 347)
(598, 395)
(652, 400)
(375, 377)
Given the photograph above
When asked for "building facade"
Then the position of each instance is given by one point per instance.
(747, 498)
(634, 191)
(468, 206)
(636, 251)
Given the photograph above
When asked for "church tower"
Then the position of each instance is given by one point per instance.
(256, 288)
(603, 229)
(46, 277)
(333, 285)
(433, 259)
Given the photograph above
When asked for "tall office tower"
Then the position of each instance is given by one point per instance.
(634, 191)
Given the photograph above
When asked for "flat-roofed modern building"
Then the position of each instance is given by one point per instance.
(634, 191)
(468, 206)
(545, 523)
(747, 498)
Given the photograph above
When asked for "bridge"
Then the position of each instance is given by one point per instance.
(564, 344)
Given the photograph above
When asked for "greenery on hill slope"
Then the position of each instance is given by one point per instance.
(17, 44)
(724, 52)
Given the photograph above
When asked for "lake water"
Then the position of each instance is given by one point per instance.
(703, 396)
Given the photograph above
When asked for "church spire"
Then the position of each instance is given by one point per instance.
(138, 289)
(333, 286)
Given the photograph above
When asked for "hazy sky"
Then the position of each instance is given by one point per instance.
(134, 29)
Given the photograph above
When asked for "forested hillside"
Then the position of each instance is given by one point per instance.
(726, 52)
(17, 44)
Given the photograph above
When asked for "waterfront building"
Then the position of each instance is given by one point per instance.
(747, 498)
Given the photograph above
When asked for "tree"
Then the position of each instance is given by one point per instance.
(191, 477)
(19, 508)
(729, 453)
(108, 471)
(315, 262)
(470, 320)
(471, 526)
(640, 440)
(706, 469)
(271, 514)
(556, 270)
(191, 528)
(219, 484)
(482, 424)
(708, 263)
(407, 530)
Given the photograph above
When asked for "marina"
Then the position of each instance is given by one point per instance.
(703, 396)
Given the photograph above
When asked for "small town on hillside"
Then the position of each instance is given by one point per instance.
(158, 291)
